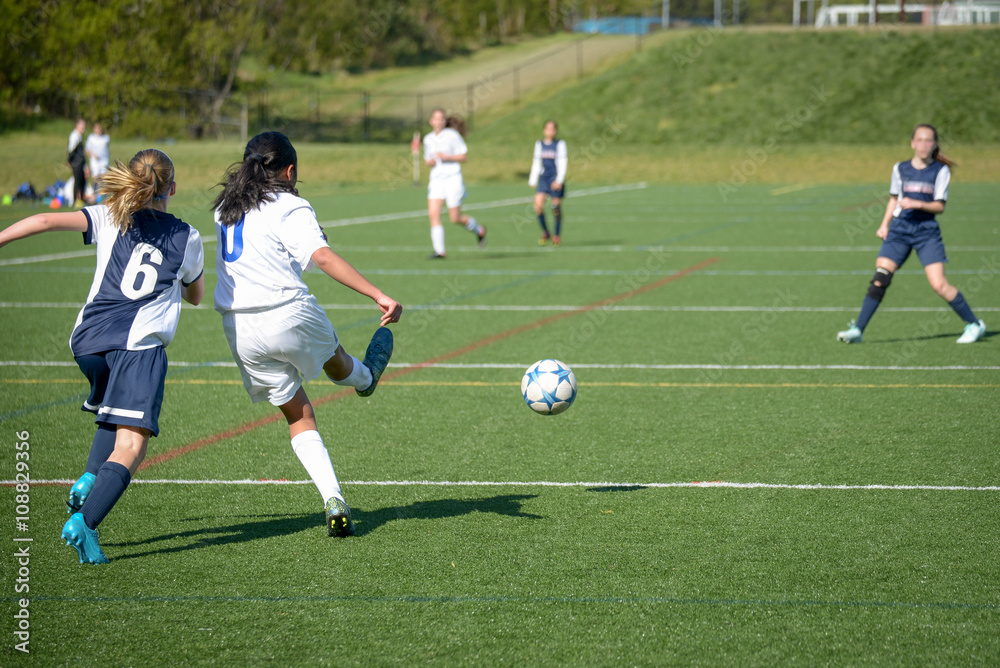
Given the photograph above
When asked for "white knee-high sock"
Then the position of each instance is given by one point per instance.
(437, 239)
(360, 376)
(473, 226)
(309, 448)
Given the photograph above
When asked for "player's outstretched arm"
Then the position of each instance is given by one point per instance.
(72, 221)
(344, 273)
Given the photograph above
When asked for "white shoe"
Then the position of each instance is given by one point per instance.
(850, 335)
(973, 332)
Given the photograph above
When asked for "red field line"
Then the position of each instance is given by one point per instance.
(250, 426)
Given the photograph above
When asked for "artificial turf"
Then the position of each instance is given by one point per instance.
(898, 566)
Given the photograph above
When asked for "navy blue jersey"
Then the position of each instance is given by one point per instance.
(929, 184)
(134, 301)
(549, 163)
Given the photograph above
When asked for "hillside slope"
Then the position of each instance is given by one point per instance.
(837, 87)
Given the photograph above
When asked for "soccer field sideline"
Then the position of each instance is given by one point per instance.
(719, 484)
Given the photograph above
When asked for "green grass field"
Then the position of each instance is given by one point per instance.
(488, 535)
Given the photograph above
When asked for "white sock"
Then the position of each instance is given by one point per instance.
(309, 448)
(473, 226)
(360, 376)
(437, 239)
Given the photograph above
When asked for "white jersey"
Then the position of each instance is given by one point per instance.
(260, 259)
(100, 153)
(75, 138)
(448, 142)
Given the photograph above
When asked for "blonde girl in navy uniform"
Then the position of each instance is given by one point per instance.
(548, 173)
(918, 192)
(147, 261)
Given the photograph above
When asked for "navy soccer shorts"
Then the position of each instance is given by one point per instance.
(928, 245)
(545, 186)
(126, 386)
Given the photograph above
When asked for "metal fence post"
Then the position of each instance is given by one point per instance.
(366, 123)
(468, 104)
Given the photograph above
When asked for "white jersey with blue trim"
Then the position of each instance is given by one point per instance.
(447, 142)
(135, 299)
(261, 258)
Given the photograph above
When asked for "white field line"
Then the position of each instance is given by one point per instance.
(420, 213)
(568, 307)
(641, 367)
(645, 248)
(46, 258)
(544, 273)
(548, 483)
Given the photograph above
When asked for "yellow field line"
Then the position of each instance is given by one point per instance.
(790, 189)
(478, 383)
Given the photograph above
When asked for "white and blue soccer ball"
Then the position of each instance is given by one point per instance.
(548, 387)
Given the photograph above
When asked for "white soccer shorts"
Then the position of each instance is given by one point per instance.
(278, 349)
(450, 188)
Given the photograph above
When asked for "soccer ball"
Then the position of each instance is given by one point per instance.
(548, 387)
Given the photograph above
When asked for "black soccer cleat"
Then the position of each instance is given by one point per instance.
(377, 358)
(338, 518)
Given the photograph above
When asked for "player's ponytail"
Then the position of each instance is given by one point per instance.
(455, 123)
(936, 153)
(254, 181)
(132, 187)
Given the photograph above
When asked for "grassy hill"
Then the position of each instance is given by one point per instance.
(735, 87)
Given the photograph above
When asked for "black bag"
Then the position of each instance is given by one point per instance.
(77, 157)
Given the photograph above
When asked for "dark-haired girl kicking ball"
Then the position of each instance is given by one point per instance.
(278, 333)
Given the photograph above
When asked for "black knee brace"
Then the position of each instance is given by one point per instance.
(557, 210)
(879, 284)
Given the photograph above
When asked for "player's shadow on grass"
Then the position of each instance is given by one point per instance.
(509, 504)
(931, 337)
(617, 488)
(251, 529)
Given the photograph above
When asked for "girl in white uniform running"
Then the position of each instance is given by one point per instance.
(444, 152)
(278, 333)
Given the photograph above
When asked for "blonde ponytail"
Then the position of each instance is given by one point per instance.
(132, 187)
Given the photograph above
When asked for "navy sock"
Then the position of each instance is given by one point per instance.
(963, 309)
(112, 479)
(541, 221)
(868, 307)
(558, 216)
(102, 447)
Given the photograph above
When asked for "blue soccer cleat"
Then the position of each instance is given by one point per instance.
(79, 491)
(850, 335)
(338, 518)
(84, 540)
(377, 358)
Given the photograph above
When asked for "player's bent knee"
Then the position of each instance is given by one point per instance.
(879, 284)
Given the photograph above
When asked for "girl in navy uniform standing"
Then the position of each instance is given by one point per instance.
(918, 191)
(548, 173)
(147, 261)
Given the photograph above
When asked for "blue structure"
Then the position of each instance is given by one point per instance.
(621, 25)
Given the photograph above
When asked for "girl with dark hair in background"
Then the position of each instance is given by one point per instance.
(147, 260)
(278, 333)
(918, 191)
(444, 153)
